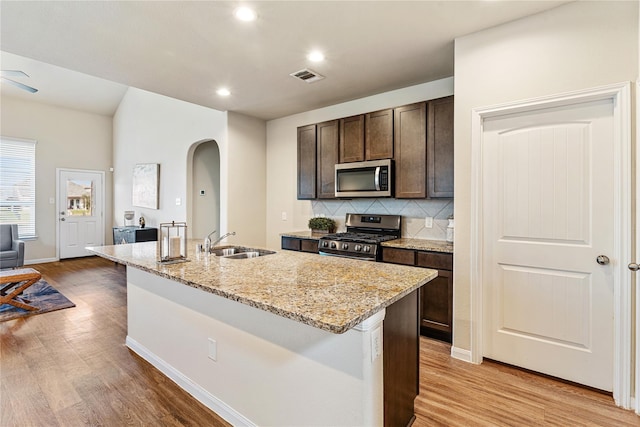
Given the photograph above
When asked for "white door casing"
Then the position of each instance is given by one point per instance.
(537, 244)
(80, 211)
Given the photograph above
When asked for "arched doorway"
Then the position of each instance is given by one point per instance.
(203, 188)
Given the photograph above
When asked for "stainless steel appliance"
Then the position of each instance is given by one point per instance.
(365, 233)
(365, 179)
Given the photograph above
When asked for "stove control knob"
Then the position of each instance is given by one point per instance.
(345, 246)
(333, 245)
(324, 244)
(358, 247)
(367, 248)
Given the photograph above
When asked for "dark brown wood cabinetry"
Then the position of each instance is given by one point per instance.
(436, 297)
(440, 148)
(418, 137)
(299, 244)
(410, 151)
(352, 139)
(307, 162)
(379, 135)
(327, 139)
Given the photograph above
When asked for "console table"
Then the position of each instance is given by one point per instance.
(134, 234)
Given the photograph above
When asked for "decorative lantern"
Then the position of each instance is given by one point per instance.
(173, 242)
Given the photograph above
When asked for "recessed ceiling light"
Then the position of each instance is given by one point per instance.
(223, 92)
(244, 13)
(315, 56)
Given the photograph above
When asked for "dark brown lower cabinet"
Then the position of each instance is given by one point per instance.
(436, 297)
(401, 346)
(299, 244)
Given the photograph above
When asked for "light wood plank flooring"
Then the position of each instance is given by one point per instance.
(71, 368)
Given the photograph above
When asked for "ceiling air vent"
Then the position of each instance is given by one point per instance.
(307, 75)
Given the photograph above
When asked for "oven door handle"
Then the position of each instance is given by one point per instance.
(376, 179)
(346, 256)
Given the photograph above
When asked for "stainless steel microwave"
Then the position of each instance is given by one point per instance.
(365, 179)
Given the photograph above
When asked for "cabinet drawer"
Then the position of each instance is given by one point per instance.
(399, 256)
(435, 260)
(309, 246)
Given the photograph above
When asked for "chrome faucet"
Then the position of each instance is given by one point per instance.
(207, 242)
(233, 233)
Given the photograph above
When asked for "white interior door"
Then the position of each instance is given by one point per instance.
(80, 212)
(548, 185)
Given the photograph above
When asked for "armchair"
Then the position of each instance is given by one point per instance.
(11, 248)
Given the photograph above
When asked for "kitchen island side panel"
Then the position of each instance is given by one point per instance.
(269, 370)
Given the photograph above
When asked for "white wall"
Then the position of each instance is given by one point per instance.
(151, 128)
(66, 139)
(205, 208)
(282, 151)
(575, 46)
(246, 179)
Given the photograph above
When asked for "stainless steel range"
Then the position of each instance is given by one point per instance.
(364, 235)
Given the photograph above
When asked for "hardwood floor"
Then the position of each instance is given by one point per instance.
(71, 368)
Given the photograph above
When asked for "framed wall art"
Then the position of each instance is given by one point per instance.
(146, 182)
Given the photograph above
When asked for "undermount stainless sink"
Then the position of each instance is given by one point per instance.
(239, 252)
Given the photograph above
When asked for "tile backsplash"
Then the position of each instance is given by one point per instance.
(413, 213)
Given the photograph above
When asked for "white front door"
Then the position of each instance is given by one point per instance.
(548, 197)
(80, 212)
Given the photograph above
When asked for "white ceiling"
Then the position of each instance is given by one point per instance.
(186, 50)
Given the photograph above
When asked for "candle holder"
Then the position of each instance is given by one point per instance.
(173, 242)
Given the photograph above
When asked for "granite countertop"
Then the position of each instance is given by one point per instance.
(420, 245)
(307, 234)
(330, 293)
(402, 243)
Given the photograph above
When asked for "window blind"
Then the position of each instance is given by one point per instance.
(18, 184)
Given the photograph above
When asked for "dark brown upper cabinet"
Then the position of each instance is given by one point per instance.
(352, 139)
(307, 162)
(328, 139)
(440, 148)
(379, 135)
(410, 146)
(367, 137)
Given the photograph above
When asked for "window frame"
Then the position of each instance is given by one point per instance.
(25, 150)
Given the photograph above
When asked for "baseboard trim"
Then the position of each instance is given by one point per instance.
(203, 396)
(40, 261)
(461, 354)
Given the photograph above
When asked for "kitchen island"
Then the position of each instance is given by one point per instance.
(282, 339)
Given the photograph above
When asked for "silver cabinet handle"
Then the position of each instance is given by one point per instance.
(634, 267)
(602, 259)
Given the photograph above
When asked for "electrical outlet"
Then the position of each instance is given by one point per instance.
(376, 344)
(178, 201)
(428, 222)
(284, 216)
(213, 350)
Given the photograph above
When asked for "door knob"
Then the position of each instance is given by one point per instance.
(602, 259)
(634, 266)
(61, 219)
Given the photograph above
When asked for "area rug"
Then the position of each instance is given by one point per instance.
(41, 295)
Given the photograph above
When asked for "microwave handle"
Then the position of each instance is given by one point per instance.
(376, 179)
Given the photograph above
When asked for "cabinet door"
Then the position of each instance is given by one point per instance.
(307, 245)
(290, 243)
(307, 162)
(379, 135)
(436, 307)
(327, 157)
(440, 148)
(352, 139)
(410, 145)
